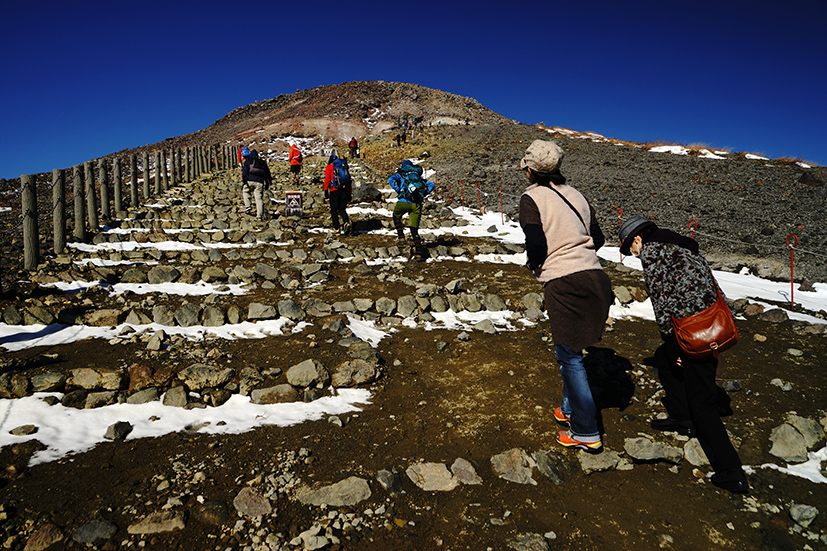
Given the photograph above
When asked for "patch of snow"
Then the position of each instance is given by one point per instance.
(66, 430)
(674, 149)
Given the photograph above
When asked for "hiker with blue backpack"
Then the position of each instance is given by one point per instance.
(338, 189)
(411, 189)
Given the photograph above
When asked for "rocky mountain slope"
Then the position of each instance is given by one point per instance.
(456, 448)
(744, 208)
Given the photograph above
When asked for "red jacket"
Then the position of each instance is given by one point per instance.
(295, 155)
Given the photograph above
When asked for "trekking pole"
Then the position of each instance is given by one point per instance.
(502, 213)
(692, 227)
(619, 224)
(792, 247)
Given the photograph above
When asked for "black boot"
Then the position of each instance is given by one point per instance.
(732, 480)
(669, 424)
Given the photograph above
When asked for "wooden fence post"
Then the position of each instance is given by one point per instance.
(173, 176)
(91, 198)
(196, 161)
(80, 206)
(117, 185)
(59, 210)
(133, 180)
(145, 160)
(164, 171)
(158, 173)
(103, 175)
(31, 247)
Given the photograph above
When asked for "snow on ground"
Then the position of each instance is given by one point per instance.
(67, 430)
(735, 286)
(674, 149)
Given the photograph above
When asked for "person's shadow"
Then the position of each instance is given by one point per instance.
(609, 380)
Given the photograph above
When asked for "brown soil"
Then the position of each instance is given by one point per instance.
(473, 400)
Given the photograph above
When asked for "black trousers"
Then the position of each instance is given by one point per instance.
(691, 394)
(338, 204)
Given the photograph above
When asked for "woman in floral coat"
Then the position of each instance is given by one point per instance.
(680, 283)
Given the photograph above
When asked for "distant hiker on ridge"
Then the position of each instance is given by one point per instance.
(411, 189)
(338, 190)
(295, 159)
(562, 237)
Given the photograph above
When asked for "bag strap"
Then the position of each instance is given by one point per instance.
(571, 207)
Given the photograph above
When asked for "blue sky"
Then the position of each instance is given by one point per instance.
(87, 78)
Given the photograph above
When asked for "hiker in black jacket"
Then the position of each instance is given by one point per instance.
(256, 174)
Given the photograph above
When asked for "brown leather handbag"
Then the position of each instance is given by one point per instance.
(704, 335)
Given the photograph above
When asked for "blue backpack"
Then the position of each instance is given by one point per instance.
(341, 175)
(415, 188)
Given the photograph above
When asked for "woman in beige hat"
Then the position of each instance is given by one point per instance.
(562, 238)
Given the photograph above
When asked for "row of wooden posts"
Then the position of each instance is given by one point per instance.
(186, 165)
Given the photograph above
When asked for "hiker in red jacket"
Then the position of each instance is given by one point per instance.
(354, 148)
(295, 159)
(338, 190)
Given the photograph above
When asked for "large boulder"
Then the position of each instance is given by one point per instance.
(308, 373)
(278, 394)
(201, 376)
(93, 379)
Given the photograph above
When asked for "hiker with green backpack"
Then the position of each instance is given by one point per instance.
(411, 189)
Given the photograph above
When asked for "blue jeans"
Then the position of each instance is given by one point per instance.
(578, 403)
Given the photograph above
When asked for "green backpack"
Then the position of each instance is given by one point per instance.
(415, 187)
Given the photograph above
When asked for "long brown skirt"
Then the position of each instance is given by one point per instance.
(578, 305)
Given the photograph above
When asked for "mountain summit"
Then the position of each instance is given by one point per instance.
(339, 111)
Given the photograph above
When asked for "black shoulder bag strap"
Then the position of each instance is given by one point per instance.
(571, 207)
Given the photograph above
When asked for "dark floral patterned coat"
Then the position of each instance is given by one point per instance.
(678, 278)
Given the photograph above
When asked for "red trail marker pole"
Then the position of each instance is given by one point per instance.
(502, 213)
(619, 224)
(692, 227)
(792, 247)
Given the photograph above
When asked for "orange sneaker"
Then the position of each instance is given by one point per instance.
(561, 417)
(565, 438)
